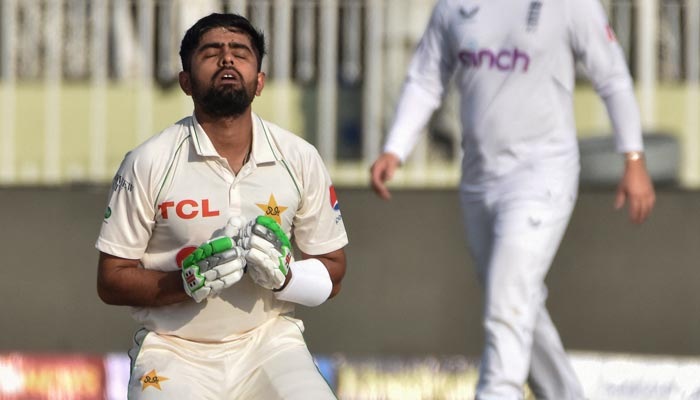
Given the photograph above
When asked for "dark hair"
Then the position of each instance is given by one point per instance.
(232, 21)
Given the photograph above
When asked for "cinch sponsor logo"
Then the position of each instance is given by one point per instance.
(187, 209)
(504, 60)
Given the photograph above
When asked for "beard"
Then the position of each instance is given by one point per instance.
(224, 100)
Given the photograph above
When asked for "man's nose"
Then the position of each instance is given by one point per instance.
(227, 59)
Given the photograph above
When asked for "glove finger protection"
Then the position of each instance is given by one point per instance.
(204, 269)
(234, 226)
(269, 252)
(265, 269)
(223, 264)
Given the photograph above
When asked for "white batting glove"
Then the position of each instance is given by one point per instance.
(269, 252)
(213, 266)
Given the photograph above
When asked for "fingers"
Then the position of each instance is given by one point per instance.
(379, 175)
(620, 198)
(639, 205)
(637, 189)
(217, 285)
(264, 269)
(269, 278)
(382, 171)
(264, 237)
(257, 257)
(234, 226)
(266, 247)
(224, 269)
(216, 245)
(201, 294)
(232, 278)
(640, 208)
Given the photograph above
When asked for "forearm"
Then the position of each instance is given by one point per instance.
(625, 119)
(335, 263)
(122, 282)
(414, 109)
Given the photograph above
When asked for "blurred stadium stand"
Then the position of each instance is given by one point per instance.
(83, 81)
(100, 76)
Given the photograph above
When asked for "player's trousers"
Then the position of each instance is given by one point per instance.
(514, 232)
(270, 362)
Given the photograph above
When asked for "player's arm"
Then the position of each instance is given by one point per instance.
(121, 281)
(382, 171)
(428, 75)
(314, 279)
(335, 264)
(594, 43)
(309, 281)
(636, 189)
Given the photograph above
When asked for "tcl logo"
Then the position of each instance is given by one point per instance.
(187, 209)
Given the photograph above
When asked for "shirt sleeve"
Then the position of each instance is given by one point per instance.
(318, 226)
(428, 75)
(595, 46)
(130, 215)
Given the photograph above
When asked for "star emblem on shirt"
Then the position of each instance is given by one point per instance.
(152, 379)
(272, 209)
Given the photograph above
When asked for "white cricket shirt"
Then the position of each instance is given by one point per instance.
(513, 64)
(175, 192)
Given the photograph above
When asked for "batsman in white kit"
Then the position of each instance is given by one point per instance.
(513, 64)
(197, 237)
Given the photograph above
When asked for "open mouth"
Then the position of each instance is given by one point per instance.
(228, 77)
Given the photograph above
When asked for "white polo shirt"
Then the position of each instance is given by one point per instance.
(513, 64)
(175, 192)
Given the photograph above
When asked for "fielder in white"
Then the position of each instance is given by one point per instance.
(513, 64)
(197, 237)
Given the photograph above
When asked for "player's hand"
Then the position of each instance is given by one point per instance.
(382, 171)
(269, 252)
(637, 190)
(212, 267)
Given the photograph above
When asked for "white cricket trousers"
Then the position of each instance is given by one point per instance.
(514, 232)
(270, 362)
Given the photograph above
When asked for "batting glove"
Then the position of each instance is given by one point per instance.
(213, 266)
(269, 252)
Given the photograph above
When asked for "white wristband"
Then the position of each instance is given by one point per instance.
(310, 284)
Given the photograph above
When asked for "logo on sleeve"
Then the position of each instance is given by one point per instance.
(334, 199)
(120, 183)
(152, 379)
(533, 15)
(335, 204)
(468, 14)
(610, 33)
(272, 209)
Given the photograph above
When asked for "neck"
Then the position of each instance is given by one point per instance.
(232, 137)
(227, 132)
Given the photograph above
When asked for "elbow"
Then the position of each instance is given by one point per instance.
(107, 294)
(335, 290)
(336, 278)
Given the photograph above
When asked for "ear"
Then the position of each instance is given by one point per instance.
(261, 83)
(185, 84)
